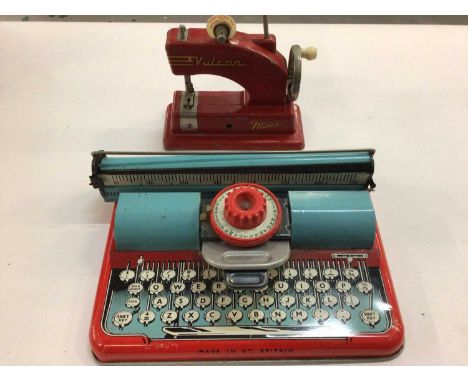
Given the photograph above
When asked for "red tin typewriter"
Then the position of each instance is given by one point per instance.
(242, 256)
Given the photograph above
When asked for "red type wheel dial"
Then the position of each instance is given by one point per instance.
(245, 214)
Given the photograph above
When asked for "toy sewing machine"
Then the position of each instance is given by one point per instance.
(261, 117)
(242, 256)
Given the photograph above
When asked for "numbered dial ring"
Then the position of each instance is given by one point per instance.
(245, 214)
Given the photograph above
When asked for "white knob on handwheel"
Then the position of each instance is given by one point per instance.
(309, 53)
(221, 28)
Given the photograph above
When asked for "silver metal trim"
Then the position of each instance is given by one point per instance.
(201, 152)
(243, 279)
(188, 112)
(349, 255)
(220, 255)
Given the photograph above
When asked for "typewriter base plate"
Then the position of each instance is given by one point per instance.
(233, 141)
(171, 306)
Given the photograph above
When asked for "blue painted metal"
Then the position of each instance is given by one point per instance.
(331, 219)
(157, 221)
(198, 161)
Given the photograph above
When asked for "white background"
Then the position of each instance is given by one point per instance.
(69, 88)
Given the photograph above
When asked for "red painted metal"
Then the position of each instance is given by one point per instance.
(109, 348)
(245, 207)
(260, 117)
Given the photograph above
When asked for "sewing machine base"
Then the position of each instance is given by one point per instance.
(174, 140)
(243, 325)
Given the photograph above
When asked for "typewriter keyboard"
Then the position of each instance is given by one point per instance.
(304, 298)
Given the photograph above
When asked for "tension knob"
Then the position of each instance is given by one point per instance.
(221, 28)
(245, 207)
(245, 214)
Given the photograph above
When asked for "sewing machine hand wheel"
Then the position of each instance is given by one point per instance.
(294, 69)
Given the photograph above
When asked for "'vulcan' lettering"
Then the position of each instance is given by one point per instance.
(203, 61)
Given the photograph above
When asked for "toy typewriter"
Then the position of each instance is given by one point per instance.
(253, 255)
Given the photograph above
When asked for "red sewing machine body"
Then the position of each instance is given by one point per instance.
(260, 117)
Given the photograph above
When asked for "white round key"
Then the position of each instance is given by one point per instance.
(320, 315)
(322, 286)
(245, 300)
(364, 287)
(209, 274)
(147, 275)
(256, 315)
(126, 275)
(301, 286)
(234, 315)
(212, 316)
(310, 273)
(308, 300)
(370, 317)
(146, 317)
(289, 273)
(132, 302)
(168, 316)
(181, 302)
(351, 273)
(135, 288)
(122, 319)
(278, 315)
(191, 316)
(266, 301)
(329, 300)
(188, 274)
(156, 288)
(198, 287)
(299, 315)
(202, 301)
(218, 287)
(177, 287)
(330, 273)
(280, 286)
(287, 301)
(343, 286)
(159, 302)
(351, 300)
(168, 274)
(272, 273)
(343, 315)
(223, 301)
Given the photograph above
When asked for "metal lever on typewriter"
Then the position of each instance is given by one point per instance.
(246, 267)
(246, 279)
